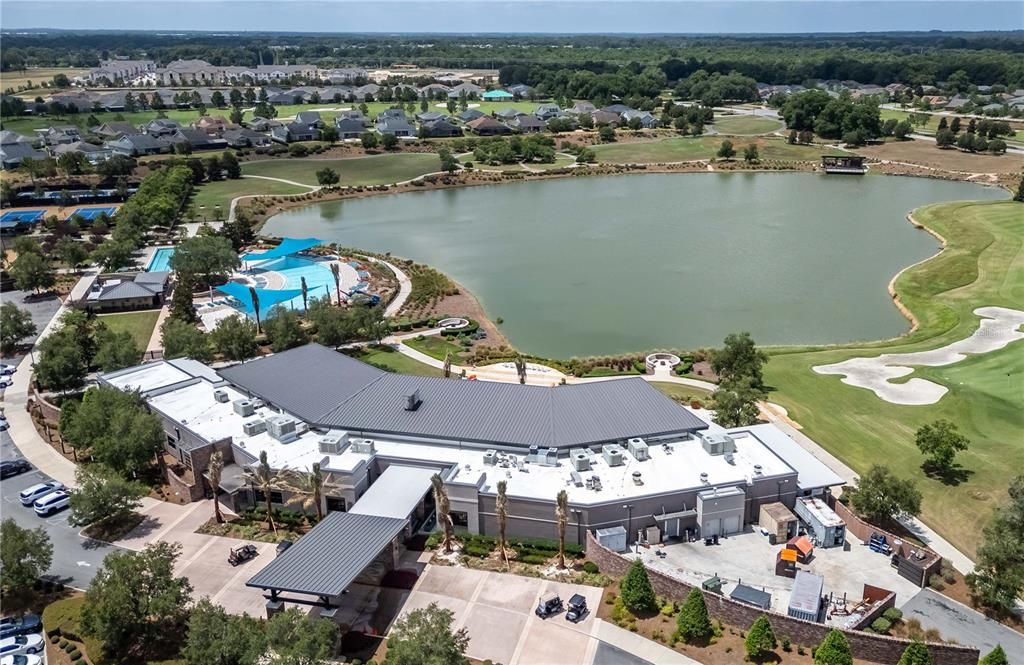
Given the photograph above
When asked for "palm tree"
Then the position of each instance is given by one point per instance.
(213, 473)
(443, 506)
(448, 365)
(305, 295)
(562, 520)
(308, 490)
(260, 476)
(336, 272)
(501, 510)
(255, 307)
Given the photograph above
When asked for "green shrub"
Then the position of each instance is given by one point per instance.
(476, 550)
(760, 641)
(74, 654)
(787, 646)
(590, 567)
(535, 559)
(69, 647)
(893, 614)
(693, 624)
(881, 625)
(636, 590)
(935, 582)
(833, 650)
(54, 639)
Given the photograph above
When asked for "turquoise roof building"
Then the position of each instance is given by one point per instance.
(497, 96)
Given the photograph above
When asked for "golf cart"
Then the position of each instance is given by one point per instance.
(242, 554)
(577, 608)
(548, 605)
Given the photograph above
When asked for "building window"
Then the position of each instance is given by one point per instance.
(336, 504)
(171, 442)
(275, 496)
(459, 518)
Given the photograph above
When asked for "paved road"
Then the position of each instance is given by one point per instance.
(75, 559)
(959, 622)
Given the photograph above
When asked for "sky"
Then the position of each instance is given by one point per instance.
(515, 16)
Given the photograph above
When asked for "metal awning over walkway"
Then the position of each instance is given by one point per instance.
(396, 493)
(326, 560)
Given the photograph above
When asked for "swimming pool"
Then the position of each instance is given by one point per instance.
(319, 279)
(161, 260)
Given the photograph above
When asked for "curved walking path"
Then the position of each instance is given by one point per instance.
(404, 287)
(312, 188)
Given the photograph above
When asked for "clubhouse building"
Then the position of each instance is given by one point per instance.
(626, 455)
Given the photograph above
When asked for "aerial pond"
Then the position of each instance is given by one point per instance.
(603, 265)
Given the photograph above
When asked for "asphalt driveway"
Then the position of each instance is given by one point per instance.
(958, 622)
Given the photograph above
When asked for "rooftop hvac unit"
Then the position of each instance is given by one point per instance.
(552, 457)
(638, 449)
(243, 407)
(412, 401)
(365, 446)
(532, 455)
(612, 455)
(581, 461)
(717, 444)
(220, 395)
(281, 428)
(491, 457)
(331, 444)
(254, 427)
(576, 478)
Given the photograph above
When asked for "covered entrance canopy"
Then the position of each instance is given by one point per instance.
(329, 558)
(397, 492)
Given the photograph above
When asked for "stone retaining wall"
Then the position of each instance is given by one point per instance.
(874, 648)
(49, 411)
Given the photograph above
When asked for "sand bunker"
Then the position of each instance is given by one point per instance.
(999, 326)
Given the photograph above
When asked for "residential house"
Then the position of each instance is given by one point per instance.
(470, 114)
(286, 97)
(528, 124)
(472, 91)
(508, 114)
(121, 70)
(442, 128)
(398, 126)
(293, 132)
(183, 72)
(581, 108)
(115, 130)
(603, 117)
(488, 126)
(354, 114)
(147, 290)
(346, 75)
(617, 109)
(14, 148)
(434, 90)
(244, 137)
(429, 116)
(258, 124)
(958, 102)
(394, 114)
(348, 128)
(61, 135)
(161, 127)
(647, 121)
(137, 145)
(497, 96)
(520, 90)
(215, 125)
(310, 119)
(548, 111)
(367, 92)
(93, 153)
(197, 140)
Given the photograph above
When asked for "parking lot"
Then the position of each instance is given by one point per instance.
(961, 623)
(751, 558)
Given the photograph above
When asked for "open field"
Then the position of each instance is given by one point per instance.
(924, 152)
(16, 79)
(211, 194)
(983, 265)
(373, 108)
(746, 125)
(680, 149)
(436, 346)
(373, 170)
(139, 324)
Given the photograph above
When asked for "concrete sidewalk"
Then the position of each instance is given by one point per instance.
(638, 646)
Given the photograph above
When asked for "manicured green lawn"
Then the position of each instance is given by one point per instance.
(932, 125)
(983, 266)
(388, 358)
(746, 125)
(436, 346)
(373, 108)
(139, 324)
(680, 149)
(220, 193)
(681, 392)
(25, 124)
(372, 170)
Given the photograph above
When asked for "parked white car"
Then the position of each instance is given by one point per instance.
(52, 503)
(5, 381)
(30, 495)
(7, 369)
(28, 659)
(22, 644)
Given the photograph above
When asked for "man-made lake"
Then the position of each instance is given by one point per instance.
(603, 265)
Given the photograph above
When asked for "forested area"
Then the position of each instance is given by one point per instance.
(914, 58)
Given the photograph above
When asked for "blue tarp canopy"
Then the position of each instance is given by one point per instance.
(287, 246)
(268, 297)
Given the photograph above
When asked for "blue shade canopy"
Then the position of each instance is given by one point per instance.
(287, 246)
(268, 297)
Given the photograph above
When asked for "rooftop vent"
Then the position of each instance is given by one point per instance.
(758, 470)
(243, 407)
(717, 443)
(576, 478)
(254, 427)
(730, 458)
(220, 395)
(412, 400)
(704, 478)
(491, 457)
(364, 446)
(637, 478)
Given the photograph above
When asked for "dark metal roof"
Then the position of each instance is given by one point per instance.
(328, 389)
(751, 596)
(326, 560)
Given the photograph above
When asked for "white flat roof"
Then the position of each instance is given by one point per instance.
(812, 473)
(821, 512)
(148, 377)
(396, 493)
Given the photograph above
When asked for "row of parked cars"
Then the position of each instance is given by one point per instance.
(21, 639)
